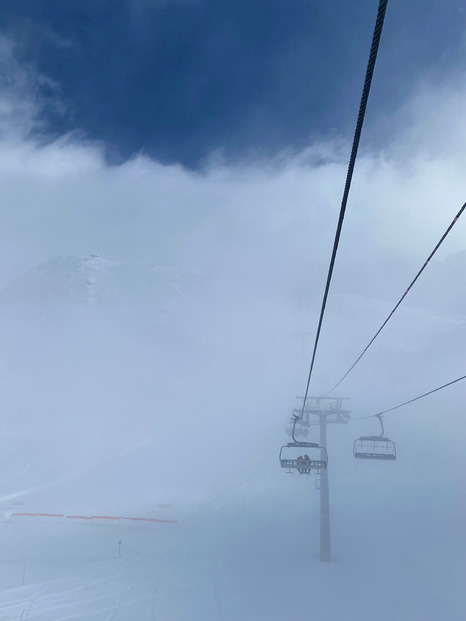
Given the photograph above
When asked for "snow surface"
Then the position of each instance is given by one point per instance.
(239, 563)
(92, 279)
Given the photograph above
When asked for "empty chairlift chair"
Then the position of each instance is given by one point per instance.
(375, 447)
(291, 457)
(298, 425)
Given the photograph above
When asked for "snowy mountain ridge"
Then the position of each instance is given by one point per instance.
(85, 280)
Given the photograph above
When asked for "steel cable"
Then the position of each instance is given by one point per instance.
(354, 151)
(410, 400)
(401, 299)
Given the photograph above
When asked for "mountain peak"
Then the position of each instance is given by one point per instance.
(93, 279)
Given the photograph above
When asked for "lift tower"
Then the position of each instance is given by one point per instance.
(328, 410)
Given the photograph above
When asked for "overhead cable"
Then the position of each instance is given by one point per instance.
(411, 400)
(354, 151)
(455, 219)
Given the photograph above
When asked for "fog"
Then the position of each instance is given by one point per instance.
(156, 328)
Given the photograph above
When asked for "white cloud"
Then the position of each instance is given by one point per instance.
(264, 230)
(61, 197)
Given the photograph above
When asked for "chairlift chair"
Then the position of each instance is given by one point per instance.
(303, 466)
(375, 447)
(301, 432)
(299, 424)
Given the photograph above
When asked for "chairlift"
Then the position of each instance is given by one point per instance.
(300, 431)
(375, 447)
(303, 464)
(299, 424)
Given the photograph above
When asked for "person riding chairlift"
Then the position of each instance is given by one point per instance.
(307, 462)
(300, 460)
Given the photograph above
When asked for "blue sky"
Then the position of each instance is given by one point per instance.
(179, 80)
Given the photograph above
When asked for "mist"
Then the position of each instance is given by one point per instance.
(156, 327)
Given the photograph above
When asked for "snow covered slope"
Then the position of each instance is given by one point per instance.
(93, 279)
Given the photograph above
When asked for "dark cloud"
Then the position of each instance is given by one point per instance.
(179, 80)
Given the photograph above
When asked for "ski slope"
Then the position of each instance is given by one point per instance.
(252, 559)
